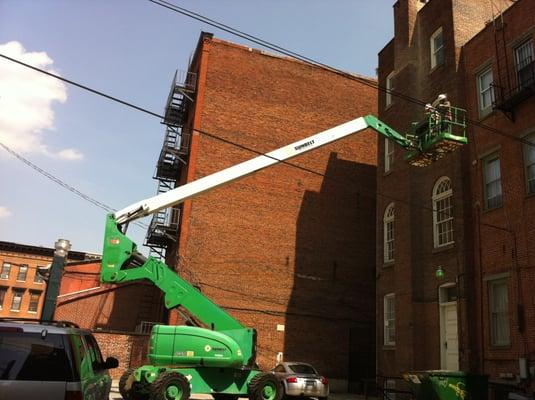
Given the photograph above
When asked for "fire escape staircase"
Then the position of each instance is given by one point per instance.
(511, 87)
(164, 226)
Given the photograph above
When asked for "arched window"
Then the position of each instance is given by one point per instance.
(442, 212)
(388, 233)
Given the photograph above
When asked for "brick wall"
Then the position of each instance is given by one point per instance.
(28, 286)
(505, 235)
(412, 275)
(131, 350)
(283, 247)
(15, 256)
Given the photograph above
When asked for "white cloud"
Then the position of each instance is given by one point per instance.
(4, 212)
(26, 100)
(70, 154)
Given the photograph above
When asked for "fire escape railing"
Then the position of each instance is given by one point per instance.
(164, 226)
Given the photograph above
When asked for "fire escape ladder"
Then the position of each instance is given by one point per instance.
(503, 86)
(516, 80)
(164, 226)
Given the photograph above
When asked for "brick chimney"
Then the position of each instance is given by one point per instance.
(405, 12)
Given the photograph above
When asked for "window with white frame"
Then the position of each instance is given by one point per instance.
(493, 182)
(524, 64)
(389, 313)
(499, 312)
(389, 88)
(389, 155)
(388, 229)
(437, 48)
(23, 273)
(485, 91)
(6, 270)
(16, 300)
(529, 163)
(443, 212)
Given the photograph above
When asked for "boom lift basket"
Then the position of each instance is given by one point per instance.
(441, 132)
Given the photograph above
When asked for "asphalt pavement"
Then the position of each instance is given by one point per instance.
(114, 395)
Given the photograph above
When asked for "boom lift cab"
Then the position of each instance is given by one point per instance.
(219, 356)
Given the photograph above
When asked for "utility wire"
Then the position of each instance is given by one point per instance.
(370, 193)
(289, 53)
(70, 188)
(98, 92)
(205, 133)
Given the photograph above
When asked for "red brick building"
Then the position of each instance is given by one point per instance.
(21, 288)
(499, 72)
(451, 216)
(120, 316)
(286, 251)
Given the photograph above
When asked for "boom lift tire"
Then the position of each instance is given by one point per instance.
(170, 386)
(130, 389)
(265, 386)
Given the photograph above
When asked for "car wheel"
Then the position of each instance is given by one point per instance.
(265, 386)
(170, 386)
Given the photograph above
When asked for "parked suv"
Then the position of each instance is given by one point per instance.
(52, 360)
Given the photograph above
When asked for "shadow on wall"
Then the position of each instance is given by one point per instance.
(131, 308)
(331, 311)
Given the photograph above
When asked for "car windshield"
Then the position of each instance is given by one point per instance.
(302, 369)
(31, 357)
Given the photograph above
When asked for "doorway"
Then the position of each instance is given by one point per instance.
(449, 336)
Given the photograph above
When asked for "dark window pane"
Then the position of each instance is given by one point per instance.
(29, 357)
(34, 301)
(302, 369)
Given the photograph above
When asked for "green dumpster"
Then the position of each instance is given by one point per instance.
(448, 385)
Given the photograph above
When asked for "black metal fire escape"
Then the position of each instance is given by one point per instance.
(512, 86)
(163, 229)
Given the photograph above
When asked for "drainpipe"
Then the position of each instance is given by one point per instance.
(62, 247)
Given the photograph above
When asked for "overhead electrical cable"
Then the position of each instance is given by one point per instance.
(216, 137)
(70, 188)
(308, 60)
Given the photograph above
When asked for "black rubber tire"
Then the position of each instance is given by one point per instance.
(158, 388)
(259, 382)
(225, 396)
(134, 391)
(126, 392)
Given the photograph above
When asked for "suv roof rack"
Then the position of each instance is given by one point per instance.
(59, 324)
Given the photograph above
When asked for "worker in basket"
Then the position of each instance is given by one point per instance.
(440, 114)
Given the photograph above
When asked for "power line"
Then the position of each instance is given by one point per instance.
(310, 61)
(208, 134)
(371, 193)
(98, 92)
(70, 188)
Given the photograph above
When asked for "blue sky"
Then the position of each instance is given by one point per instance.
(130, 49)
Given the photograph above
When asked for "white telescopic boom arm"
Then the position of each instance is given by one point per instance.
(238, 171)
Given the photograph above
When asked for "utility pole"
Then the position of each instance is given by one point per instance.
(62, 247)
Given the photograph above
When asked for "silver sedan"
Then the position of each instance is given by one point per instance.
(301, 379)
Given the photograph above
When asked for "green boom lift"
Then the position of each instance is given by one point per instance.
(219, 357)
